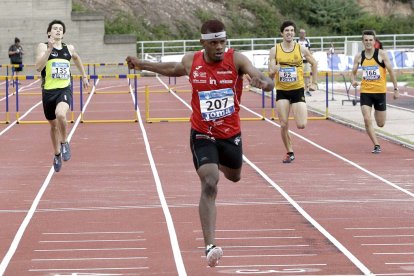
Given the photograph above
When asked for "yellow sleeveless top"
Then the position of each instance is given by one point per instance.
(56, 73)
(290, 75)
(374, 78)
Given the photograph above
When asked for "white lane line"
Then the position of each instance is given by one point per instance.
(337, 156)
(17, 238)
(90, 249)
(281, 265)
(89, 259)
(253, 238)
(265, 246)
(380, 228)
(92, 233)
(88, 269)
(173, 93)
(179, 263)
(20, 90)
(384, 236)
(400, 107)
(22, 117)
(109, 87)
(98, 208)
(261, 256)
(393, 253)
(86, 241)
(248, 230)
(399, 263)
(396, 274)
(387, 244)
(342, 248)
(311, 220)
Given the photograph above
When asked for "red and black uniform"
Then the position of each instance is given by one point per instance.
(215, 121)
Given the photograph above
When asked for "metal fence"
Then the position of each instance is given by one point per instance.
(154, 50)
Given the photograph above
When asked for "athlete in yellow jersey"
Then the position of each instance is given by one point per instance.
(374, 64)
(53, 60)
(286, 67)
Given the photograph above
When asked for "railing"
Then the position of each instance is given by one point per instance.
(154, 50)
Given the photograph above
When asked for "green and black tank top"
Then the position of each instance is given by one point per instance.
(56, 73)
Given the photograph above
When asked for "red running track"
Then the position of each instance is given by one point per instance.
(105, 214)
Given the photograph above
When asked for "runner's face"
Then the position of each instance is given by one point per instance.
(368, 41)
(288, 33)
(214, 49)
(56, 31)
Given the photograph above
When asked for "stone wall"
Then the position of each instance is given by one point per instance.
(28, 20)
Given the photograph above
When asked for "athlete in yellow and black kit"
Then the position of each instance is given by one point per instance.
(374, 64)
(53, 60)
(56, 81)
(285, 66)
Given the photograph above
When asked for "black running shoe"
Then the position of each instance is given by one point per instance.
(377, 149)
(57, 162)
(289, 157)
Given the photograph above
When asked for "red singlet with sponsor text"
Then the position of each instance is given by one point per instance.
(217, 89)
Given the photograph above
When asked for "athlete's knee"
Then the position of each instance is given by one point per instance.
(234, 177)
(284, 123)
(380, 124)
(301, 125)
(54, 127)
(60, 116)
(209, 185)
(367, 123)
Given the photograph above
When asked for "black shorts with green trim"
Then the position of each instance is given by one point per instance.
(52, 97)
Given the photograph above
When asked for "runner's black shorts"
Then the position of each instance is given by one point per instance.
(207, 149)
(294, 96)
(17, 69)
(52, 97)
(378, 100)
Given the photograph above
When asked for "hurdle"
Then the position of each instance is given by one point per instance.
(273, 117)
(94, 65)
(12, 66)
(71, 120)
(15, 79)
(173, 88)
(17, 94)
(150, 119)
(116, 76)
(6, 100)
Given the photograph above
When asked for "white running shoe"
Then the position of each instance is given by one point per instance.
(213, 255)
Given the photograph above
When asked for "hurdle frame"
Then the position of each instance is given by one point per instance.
(7, 121)
(72, 117)
(150, 119)
(325, 115)
(117, 76)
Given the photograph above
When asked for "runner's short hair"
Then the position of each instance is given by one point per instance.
(368, 32)
(212, 26)
(49, 28)
(287, 23)
(16, 40)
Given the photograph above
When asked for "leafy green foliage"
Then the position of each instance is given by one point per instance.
(78, 7)
(262, 18)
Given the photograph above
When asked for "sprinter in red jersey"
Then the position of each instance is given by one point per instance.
(216, 75)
